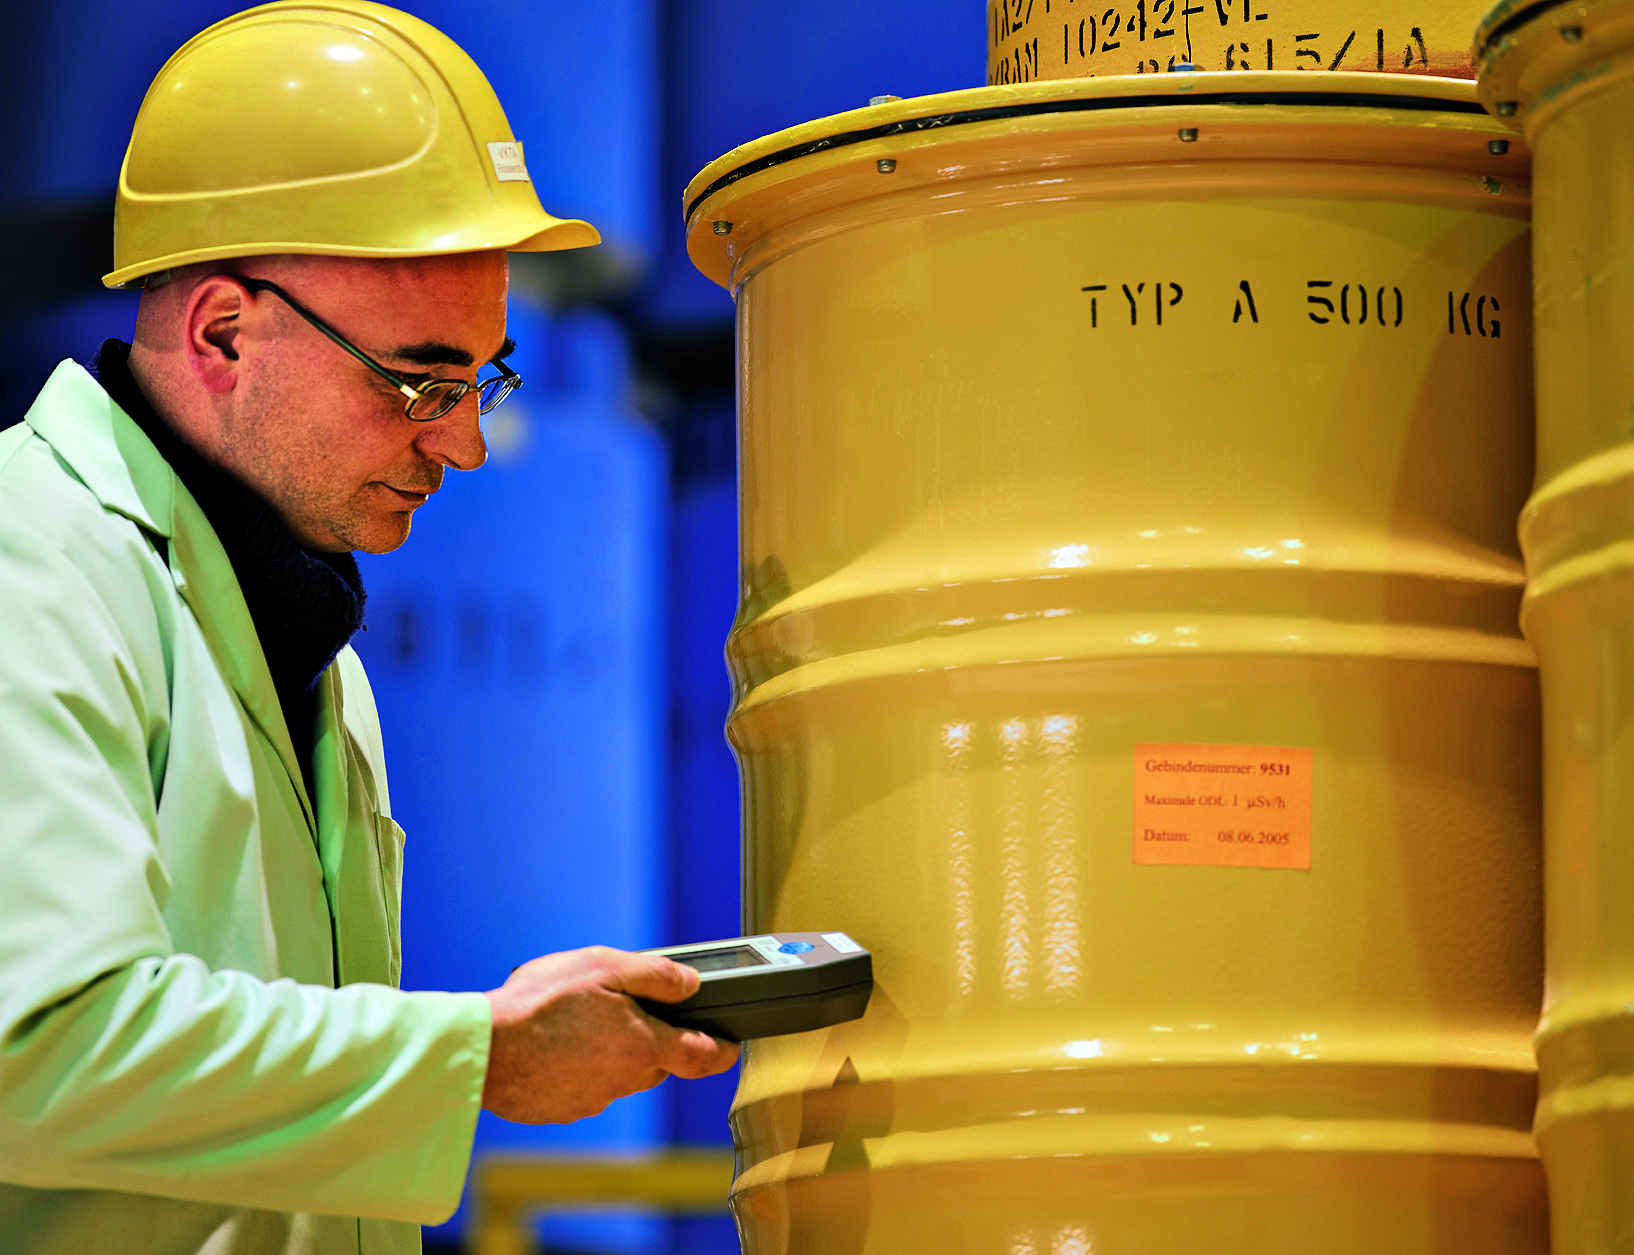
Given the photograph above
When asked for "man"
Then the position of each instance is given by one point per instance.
(201, 1043)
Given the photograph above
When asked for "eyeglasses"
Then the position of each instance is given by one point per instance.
(426, 401)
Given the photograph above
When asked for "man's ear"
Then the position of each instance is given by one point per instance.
(210, 331)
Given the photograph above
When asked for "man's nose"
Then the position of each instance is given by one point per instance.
(455, 439)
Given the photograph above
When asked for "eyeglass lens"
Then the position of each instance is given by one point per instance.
(492, 392)
(441, 395)
(436, 399)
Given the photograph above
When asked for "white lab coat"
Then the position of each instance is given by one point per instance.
(201, 1042)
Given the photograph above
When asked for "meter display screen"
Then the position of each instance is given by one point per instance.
(721, 960)
(766, 986)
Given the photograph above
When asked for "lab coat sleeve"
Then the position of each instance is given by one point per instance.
(127, 1066)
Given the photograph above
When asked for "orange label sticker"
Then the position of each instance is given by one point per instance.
(1223, 805)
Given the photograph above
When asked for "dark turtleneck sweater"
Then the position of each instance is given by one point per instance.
(305, 605)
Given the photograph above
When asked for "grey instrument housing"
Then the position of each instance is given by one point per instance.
(773, 992)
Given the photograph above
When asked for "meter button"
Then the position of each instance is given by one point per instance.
(795, 947)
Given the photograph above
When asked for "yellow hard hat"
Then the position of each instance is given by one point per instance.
(324, 126)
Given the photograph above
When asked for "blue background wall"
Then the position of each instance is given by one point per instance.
(547, 647)
(517, 655)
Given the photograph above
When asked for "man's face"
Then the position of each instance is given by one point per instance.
(324, 438)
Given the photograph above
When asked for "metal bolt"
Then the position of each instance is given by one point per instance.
(886, 165)
(1497, 147)
(1188, 135)
(722, 227)
(1571, 34)
(1505, 108)
(882, 100)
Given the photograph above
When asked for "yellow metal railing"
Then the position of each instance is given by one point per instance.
(512, 1189)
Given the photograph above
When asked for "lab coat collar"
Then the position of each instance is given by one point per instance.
(114, 459)
(104, 447)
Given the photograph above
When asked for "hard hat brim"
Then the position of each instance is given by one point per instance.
(562, 233)
(558, 234)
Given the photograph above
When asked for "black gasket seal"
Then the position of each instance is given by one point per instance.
(1514, 22)
(935, 122)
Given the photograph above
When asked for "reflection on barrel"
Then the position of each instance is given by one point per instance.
(1564, 75)
(1127, 656)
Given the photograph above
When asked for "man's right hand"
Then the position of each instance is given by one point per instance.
(568, 1040)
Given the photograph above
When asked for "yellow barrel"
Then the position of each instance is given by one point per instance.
(1128, 656)
(1565, 75)
(1029, 40)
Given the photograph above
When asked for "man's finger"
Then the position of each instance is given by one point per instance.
(691, 1054)
(653, 1079)
(653, 976)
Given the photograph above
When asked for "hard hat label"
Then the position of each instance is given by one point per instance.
(1223, 805)
(507, 158)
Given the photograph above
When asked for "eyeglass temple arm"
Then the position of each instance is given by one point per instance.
(264, 285)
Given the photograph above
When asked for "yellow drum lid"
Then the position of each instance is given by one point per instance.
(891, 153)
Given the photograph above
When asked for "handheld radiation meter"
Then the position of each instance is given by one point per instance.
(770, 985)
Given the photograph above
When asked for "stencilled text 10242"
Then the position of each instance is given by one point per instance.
(1032, 39)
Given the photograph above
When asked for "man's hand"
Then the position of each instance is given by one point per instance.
(567, 1040)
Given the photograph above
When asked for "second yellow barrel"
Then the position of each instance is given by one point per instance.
(1127, 656)
(1563, 74)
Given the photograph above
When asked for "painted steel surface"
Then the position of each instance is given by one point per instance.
(1565, 76)
(1082, 444)
(1028, 40)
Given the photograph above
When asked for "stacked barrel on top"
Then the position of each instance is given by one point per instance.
(1028, 40)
